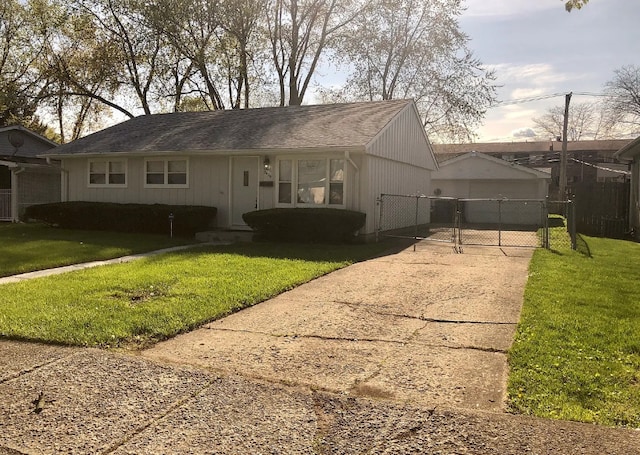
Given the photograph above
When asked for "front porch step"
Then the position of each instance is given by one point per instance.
(224, 236)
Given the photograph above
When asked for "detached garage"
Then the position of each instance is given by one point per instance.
(479, 176)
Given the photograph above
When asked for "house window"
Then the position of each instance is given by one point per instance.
(107, 173)
(336, 182)
(312, 178)
(311, 182)
(284, 181)
(166, 172)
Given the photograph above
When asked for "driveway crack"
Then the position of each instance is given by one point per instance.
(159, 416)
(423, 318)
(310, 336)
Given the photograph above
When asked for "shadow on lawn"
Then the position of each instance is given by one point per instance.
(308, 252)
(582, 246)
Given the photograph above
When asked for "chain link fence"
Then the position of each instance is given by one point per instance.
(497, 222)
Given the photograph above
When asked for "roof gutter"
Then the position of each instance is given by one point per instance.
(238, 152)
(627, 152)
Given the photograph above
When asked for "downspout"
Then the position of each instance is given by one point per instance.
(64, 180)
(14, 193)
(634, 202)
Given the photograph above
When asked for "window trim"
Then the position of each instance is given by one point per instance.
(294, 181)
(107, 162)
(165, 183)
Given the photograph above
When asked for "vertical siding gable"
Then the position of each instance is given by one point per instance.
(403, 139)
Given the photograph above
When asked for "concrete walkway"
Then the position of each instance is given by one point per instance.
(405, 353)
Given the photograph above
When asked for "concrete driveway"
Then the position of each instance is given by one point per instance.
(400, 354)
(429, 327)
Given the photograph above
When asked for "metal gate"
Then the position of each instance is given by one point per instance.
(490, 222)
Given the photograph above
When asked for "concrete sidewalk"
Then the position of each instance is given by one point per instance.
(401, 354)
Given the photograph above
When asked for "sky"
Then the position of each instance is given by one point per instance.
(537, 48)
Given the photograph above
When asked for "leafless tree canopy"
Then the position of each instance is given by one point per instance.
(623, 96)
(76, 62)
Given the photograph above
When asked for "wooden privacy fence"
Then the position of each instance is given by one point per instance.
(602, 209)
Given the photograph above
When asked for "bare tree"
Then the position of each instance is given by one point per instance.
(623, 95)
(414, 49)
(581, 122)
(301, 31)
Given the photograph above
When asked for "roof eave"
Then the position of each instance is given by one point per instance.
(629, 151)
(222, 152)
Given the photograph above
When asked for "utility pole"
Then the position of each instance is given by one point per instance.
(562, 184)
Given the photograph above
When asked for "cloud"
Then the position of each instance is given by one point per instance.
(525, 132)
(538, 77)
(517, 112)
(502, 9)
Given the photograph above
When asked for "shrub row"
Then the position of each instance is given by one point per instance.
(305, 224)
(103, 216)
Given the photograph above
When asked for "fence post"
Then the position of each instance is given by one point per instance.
(415, 232)
(379, 227)
(572, 223)
(457, 225)
(545, 223)
(499, 222)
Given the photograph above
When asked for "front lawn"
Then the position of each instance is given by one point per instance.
(577, 350)
(158, 297)
(29, 247)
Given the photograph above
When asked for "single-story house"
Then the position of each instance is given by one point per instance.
(631, 153)
(25, 179)
(337, 155)
(480, 176)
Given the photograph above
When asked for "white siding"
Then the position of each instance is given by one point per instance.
(390, 177)
(208, 185)
(404, 140)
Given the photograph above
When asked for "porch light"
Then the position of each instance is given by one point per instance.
(267, 165)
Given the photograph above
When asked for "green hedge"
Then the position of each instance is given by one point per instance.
(305, 225)
(104, 216)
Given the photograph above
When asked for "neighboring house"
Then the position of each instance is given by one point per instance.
(25, 179)
(339, 155)
(587, 161)
(631, 153)
(480, 176)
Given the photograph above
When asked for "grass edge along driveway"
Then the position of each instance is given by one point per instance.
(158, 297)
(576, 354)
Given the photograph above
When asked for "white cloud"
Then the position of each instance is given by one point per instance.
(502, 8)
(526, 133)
(535, 76)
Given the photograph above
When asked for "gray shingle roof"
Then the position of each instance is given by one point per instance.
(292, 127)
(530, 147)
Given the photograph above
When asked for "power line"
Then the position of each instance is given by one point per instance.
(526, 100)
(542, 97)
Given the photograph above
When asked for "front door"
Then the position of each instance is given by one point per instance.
(244, 187)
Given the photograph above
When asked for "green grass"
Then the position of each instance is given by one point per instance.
(577, 350)
(29, 247)
(158, 297)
